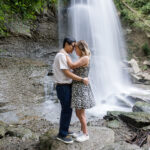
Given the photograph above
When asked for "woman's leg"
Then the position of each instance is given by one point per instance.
(78, 115)
(81, 115)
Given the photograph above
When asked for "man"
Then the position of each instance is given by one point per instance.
(63, 78)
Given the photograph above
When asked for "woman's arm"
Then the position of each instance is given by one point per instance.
(71, 75)
(81, 62)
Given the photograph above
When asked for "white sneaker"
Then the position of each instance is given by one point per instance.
(82, 138)
(77, 134)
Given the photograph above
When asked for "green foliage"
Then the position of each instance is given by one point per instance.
(146, 8)
(24, 9)
(135, 13)
(144, 67)
(146, 49)
(53, 1)
(2, 50)
(141, 5)
(138, 3)
(127, 16)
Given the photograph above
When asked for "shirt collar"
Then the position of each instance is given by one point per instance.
(65, 51)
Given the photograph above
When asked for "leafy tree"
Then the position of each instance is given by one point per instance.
(23, 9)
(136, 13)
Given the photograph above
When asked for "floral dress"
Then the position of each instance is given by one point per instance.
(82, 96)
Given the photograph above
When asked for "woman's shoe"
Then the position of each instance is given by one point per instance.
(82, 138)
(77, 134)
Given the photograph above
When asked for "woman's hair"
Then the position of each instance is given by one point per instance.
(83, 46)
(68, 40)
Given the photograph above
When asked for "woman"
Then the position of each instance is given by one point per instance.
(82, 96)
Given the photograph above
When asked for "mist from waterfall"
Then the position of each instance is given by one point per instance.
(97, 22)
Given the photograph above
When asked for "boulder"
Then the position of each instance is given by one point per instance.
(99, 138)
(140, 77)
(3, 127)
(148, 34)
(136, 75)
(114, 124)
(146, 63)
(47, 29)
(146, 76)
(136, 119)
(113, 115)
(136, 79)
(146, 128)
(122, 146)
(22, 133)
(2, 131)
(141, 107)
(135, 66)
(19, 28)
(136, 98)
(128, 31)
(3, 124)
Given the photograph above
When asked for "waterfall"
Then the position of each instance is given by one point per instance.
(97, 22)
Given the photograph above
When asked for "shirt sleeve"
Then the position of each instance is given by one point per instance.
(63, 62)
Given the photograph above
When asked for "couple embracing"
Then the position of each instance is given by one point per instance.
(73, 89)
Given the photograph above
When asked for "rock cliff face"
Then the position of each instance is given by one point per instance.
(39, 40)
(26, 58)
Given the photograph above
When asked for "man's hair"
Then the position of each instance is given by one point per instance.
(68, 40)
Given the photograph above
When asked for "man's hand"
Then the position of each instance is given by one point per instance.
(71, 75)
(86, 81)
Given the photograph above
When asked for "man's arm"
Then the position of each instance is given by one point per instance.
(75, 77)
(64, 67)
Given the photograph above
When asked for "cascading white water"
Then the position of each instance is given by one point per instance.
(97, 22)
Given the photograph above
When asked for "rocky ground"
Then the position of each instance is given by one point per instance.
(24, 125)
(117, 131)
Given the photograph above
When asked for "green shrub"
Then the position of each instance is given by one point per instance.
(136, 14)
(139, 3)
(146, 8)
(26, 10)
(146, 49)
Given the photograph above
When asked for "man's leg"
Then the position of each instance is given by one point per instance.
(64, 95)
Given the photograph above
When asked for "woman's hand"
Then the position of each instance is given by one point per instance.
(86, 81)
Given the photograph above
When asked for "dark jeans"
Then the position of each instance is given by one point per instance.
(64, 95)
